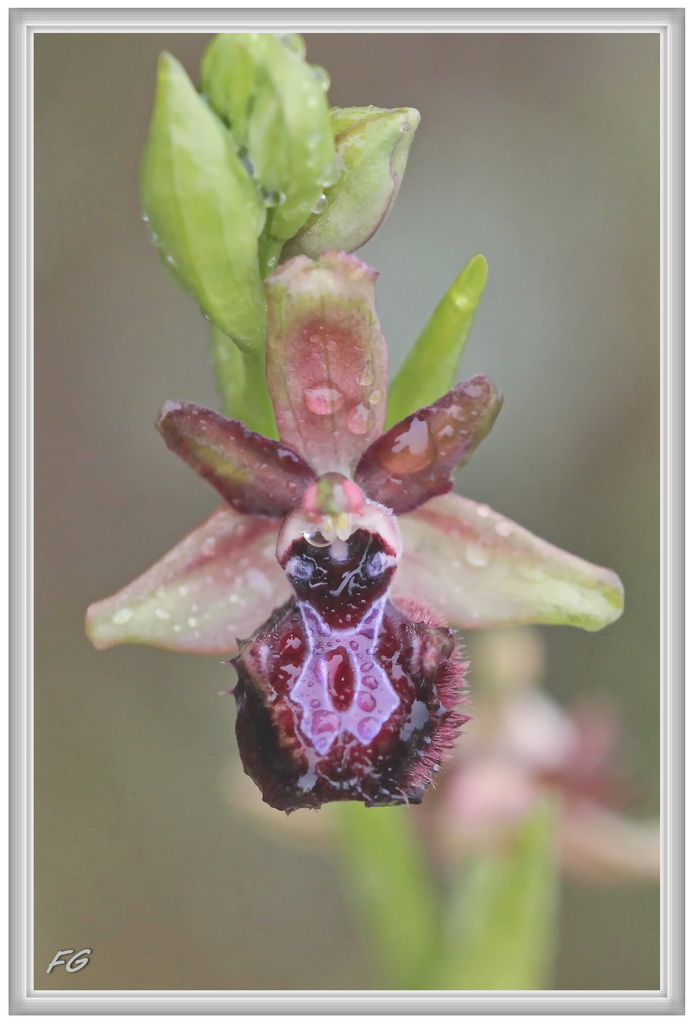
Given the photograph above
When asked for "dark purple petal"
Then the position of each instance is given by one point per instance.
(254, 475)
(416, 459)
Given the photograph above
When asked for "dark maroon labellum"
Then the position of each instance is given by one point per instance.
(343, 694)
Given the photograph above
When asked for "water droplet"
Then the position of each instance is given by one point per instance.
(375, 397)
(324, 721)
(122, 616)
(208, 546)
(192, 621)
(320, 203)
(294, 43)
(315, 703)
(246, 161)
(322, 76)
(170, 260)
(371, 682)
(503, 528)
(161, 613)
(483, 511)
(145, 218)
(332, 171)
(476, 556)
(272, 261)
(358, 419)
(182, 590)
(366, 701)
(368, 728)
(323, 399)
(320, 538)
(411, 450)
(272, 199)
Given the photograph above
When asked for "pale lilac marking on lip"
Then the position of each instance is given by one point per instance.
(374, 698)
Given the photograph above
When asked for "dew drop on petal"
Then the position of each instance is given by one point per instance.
(368, 728)
(161, 613)
(503, 528)
(358, 419)
(323, 399)
(324, 722)
(272, 199)
(322, 76)
(320, 203)
(320, 538)
(476, 556)
(122, 616)
(366, 701)
(411, 450)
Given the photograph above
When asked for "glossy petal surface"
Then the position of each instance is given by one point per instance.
(326, 359)
(415, 460)
(218, 584)
(476, 569)
(254, 475)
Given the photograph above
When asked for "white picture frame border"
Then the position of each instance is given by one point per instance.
(23, 24)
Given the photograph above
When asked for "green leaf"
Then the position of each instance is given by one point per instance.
(204, 210)
(430, 368)
(501, 922)
(242, 384)
(391, 884)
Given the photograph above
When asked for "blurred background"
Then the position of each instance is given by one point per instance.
(539, 151)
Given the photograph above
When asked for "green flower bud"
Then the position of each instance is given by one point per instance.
(372, 149)
(276, 107)
(203, 208)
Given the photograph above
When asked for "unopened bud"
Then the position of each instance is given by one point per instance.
(276, 107)
(204, 210)
(372, 150)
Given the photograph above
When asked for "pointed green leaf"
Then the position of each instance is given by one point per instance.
(476, 570)
(501, 928)
(430, 368)
(204, 211)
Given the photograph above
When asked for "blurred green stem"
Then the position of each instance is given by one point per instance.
(391, 882)
(501, 918)
(242, 384)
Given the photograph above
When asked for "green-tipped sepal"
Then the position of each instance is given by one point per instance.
(204, 210)
(372, 150)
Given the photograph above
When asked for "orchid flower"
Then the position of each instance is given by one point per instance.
(339, 565)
